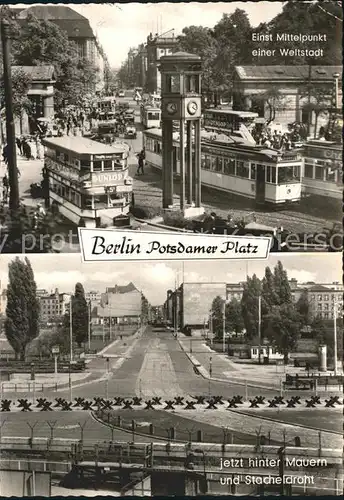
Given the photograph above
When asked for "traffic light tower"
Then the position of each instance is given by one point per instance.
(181, 103)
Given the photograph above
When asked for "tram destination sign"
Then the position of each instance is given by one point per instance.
(225, 122)
(321, 152)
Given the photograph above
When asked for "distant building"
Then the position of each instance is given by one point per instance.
(324, 298)
(121, 304)
(53, 305)
(156, 47)
(77, 28)
(93, 296)
(251, 81)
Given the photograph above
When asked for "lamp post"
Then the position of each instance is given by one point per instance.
(335, 360)
(259, 327)
(89, 325)
(10, 129)
(71, 328)
(336, 78)
(224, 326)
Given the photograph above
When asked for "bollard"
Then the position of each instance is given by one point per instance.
(151, 429)
(199, 437)
(119, 421)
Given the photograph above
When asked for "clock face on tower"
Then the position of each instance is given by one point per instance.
(192, 107)
(171, 108)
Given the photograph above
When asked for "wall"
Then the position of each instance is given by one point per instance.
(197, 301)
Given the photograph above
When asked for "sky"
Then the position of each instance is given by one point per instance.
(63, 271)
(121, 26)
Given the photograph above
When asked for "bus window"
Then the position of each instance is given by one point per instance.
(153, 116)
(107, 165)
(97, 166)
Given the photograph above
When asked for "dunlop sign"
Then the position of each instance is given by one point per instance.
(103, 178)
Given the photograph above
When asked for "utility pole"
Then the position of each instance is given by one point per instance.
(335, 340)
(89, 325)
(71, 328)
(224, 326)
(259, 327)
(10, 130)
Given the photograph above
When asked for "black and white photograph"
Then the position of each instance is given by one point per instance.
(218, 117)
(185, 378)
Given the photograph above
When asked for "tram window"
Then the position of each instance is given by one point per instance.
(107, 165)
(286, 174)
(253, 171)
(268, 174)
(177, 154)
(85, 163)
(229, 166)
(309, 170)
(330, 175)
(297, 175)
(207, 162)
(319, 172)
(153, 116)
(273, 175)
(67, 192)
(97, 166)
(242, 169)
(218, 164)
(203, 161)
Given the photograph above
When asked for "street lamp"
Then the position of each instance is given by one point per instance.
(224, 326)
(89, 325)
(71, 328)
(259, 327)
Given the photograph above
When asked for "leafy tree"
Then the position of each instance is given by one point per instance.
(144, 309)
(273, 101)
(217, 316)
(303, 308)
(249, 305)
(79, 315)
(22, 312)
(283, 328)
(281, 285)
(234, 319)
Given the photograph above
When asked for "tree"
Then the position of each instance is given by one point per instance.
(234, 319)
(217, 316)
(249, 306)
(79, 315)
(281, 285)
(303, 308)
(22, 311)
(283, 328)
(273, 102)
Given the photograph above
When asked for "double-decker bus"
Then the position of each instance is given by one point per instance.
(235, 123)
(150, 116)
(234, 166)
(106, 104)
(88, 181)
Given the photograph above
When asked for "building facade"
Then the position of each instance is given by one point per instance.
(325, 299)
(251, 82)
(156, 47)
(76, 27)
(119, 304)
(53, 305)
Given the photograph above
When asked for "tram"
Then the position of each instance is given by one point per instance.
(234, 166)
(323, 169)
(150, 116)
(236, 123)
(106, 104)
(88, 182)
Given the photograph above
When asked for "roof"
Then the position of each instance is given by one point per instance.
(49, 12)
(184, 56)
(321, 288)
(74, 24)
(279, 72)
(130, 287)
(37, 73)
(223, 111)
(82, 145)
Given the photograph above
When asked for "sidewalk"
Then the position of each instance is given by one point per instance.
(225, 370)
(97, 369)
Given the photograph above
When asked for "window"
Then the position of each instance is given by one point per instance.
(309, 170)
(153, 116)
(320, 297)
(191, 83)
(326, 297)
(326, 307)
(319, 307)
(243, 169)
(326, 315)
(173, 83)
(330, 175)
(253, 171)
(254, 352)
(319, 172)
(313, 297)
(333, 297)
(207, 162)
(107, 165)
(229, 166)
(97, 166)
(218, 164)
(270, 174)
(203, 161)
(288, 174)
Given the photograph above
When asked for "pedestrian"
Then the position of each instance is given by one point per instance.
(141, 158)
(19, 145)
(5, 188)
(26, 149)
